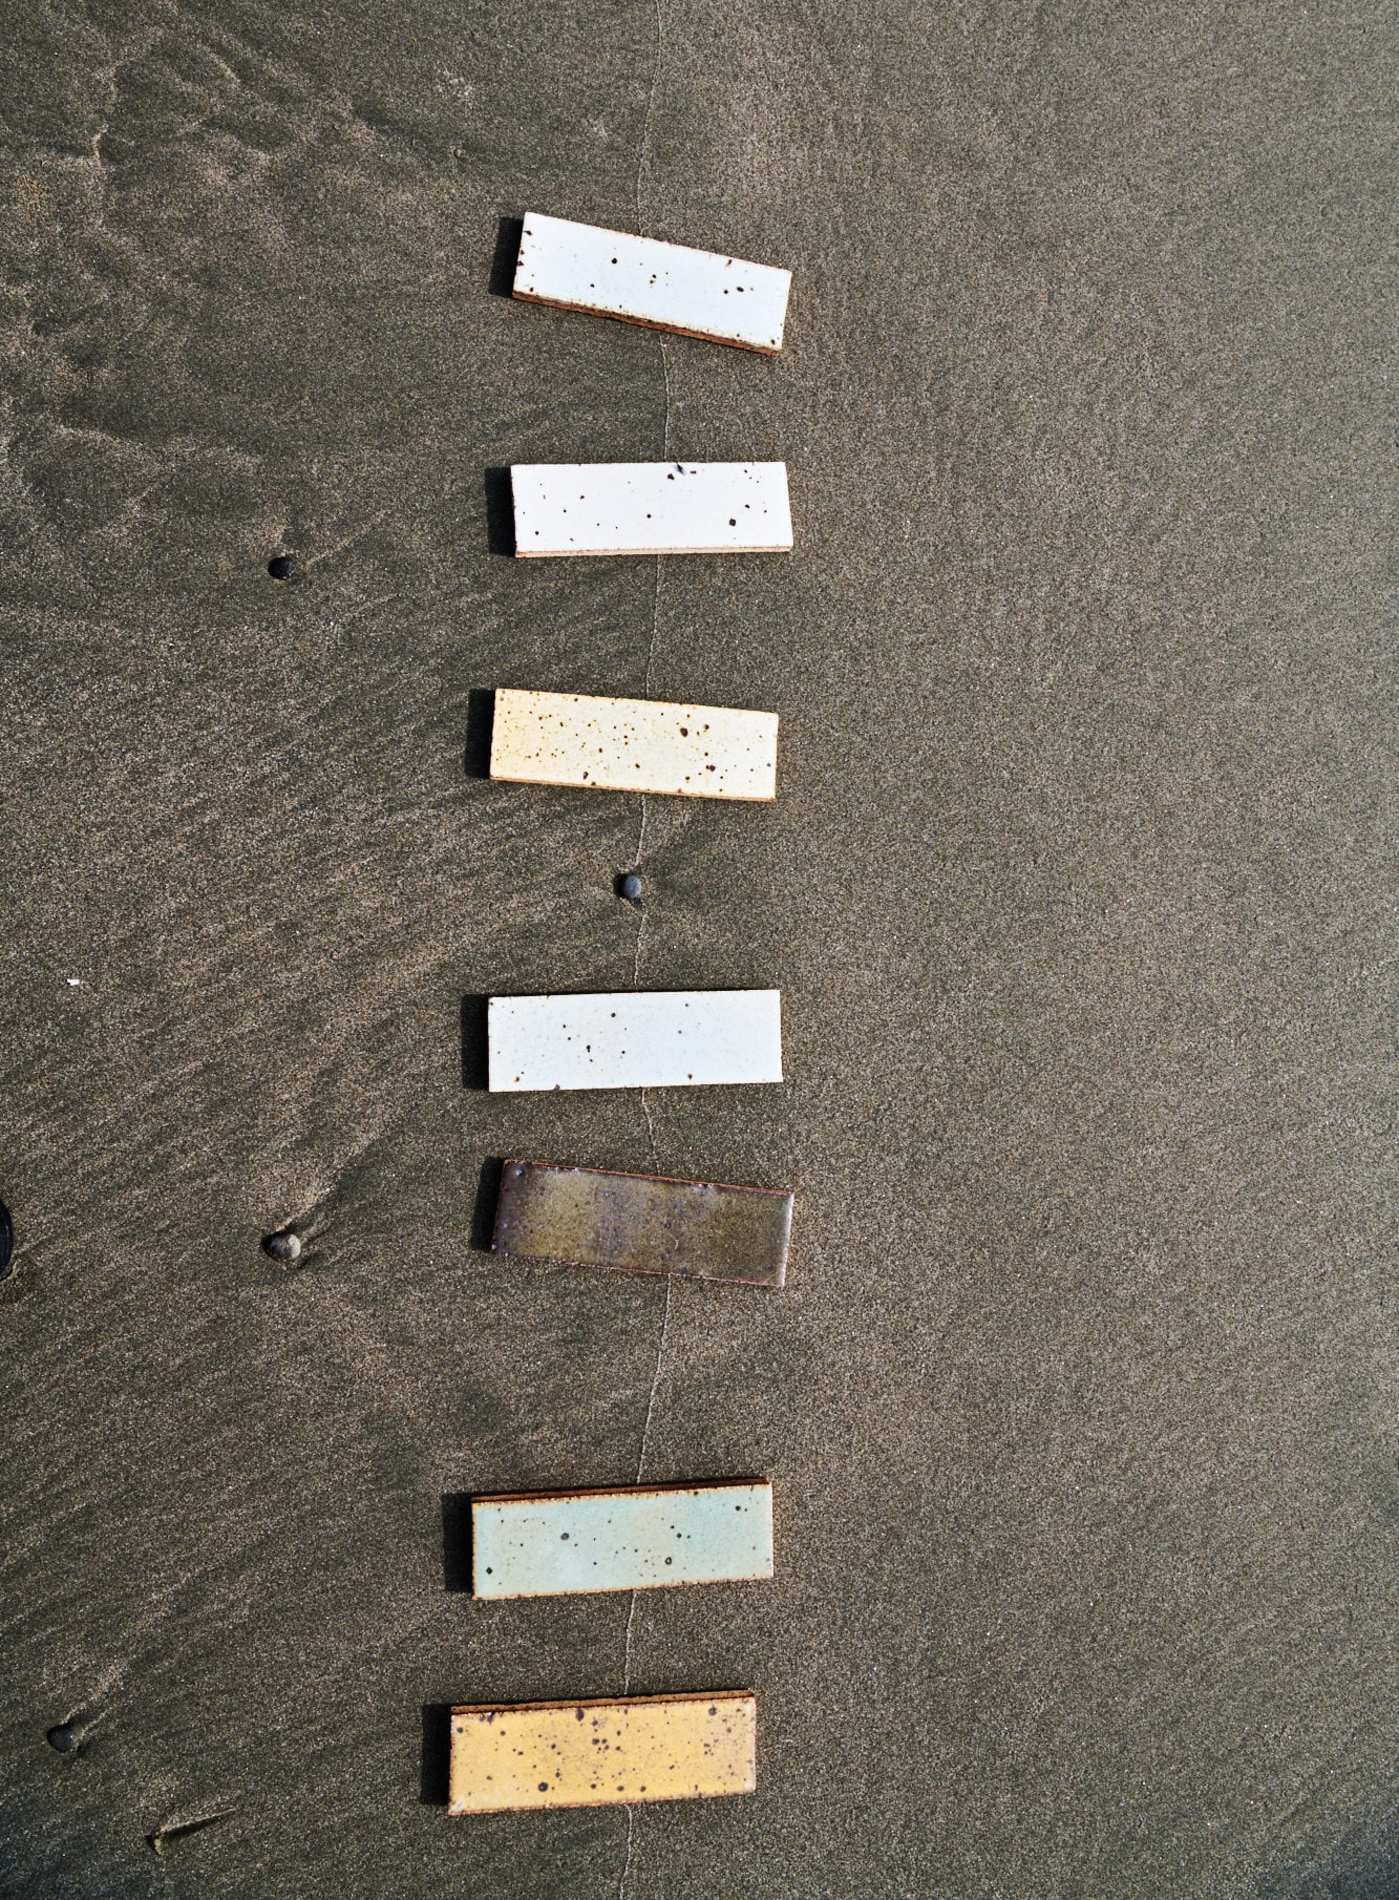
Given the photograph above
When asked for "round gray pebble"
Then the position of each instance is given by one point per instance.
(284, 1246)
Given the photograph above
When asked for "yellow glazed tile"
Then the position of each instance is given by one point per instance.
(509, 1756)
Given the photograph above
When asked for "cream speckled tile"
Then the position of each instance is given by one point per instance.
(633, 745)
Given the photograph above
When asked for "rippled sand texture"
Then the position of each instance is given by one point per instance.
(1079, 1398)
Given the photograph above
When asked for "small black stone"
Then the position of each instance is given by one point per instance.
(629, 887)
(285, 1246)
(64, 1738)
(281, 567)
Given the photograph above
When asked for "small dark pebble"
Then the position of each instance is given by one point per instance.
(284, 1246)
(629, 887)
(64, 1738)
(281, 567)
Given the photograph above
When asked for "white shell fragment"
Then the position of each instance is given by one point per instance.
(641, 1538)
(642, 280)
(633, 745)
(647, 1039)
(566, 508)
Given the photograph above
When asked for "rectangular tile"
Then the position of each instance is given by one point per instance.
(591, 1754)
(569, 508)
(644, 280)
(634, 1039)
(633, 745)
(643, 1223)
(640, 1537)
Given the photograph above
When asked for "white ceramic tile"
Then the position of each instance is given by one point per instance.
(633, 745)
(571, 508)
(668, 286)
(641, 1538)
(652, 1039)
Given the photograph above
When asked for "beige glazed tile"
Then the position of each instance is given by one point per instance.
(643, 1223)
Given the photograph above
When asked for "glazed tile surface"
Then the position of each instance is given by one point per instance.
(643, 280)
(572, 508)
(635, 1039)
(598, 1753)
(640, 1538)
(643, 1223)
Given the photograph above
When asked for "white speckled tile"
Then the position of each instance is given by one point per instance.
(633, 745)
(642, 1537)
(576, 508)
(635, 1039)
(644, 280)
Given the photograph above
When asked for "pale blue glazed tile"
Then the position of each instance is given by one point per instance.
(639, 1538)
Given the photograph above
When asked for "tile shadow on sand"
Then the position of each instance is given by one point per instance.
(475, 1056)
(480, 717)
(456, 1542)
(437, 1749)
(508, 233)
(500, 511)
(483, 1210)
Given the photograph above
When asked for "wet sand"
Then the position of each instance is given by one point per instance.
(1080, 1401)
